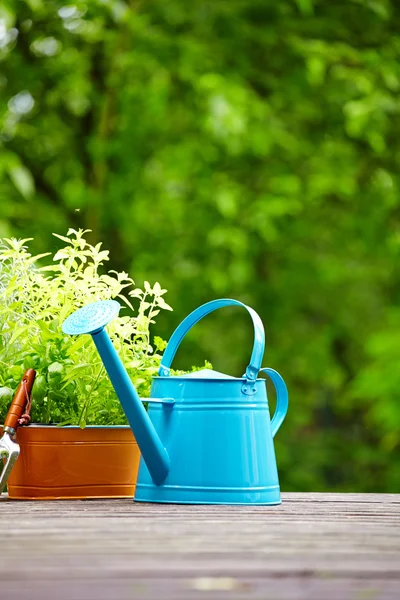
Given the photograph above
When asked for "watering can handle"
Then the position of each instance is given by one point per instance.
(200, 312)
(282, 399)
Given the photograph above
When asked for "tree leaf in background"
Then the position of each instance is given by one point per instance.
(23, 181)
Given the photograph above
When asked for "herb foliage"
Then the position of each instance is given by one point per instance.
(72, 387)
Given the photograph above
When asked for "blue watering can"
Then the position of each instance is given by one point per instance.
(207, 438)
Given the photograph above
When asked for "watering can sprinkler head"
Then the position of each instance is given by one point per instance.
(92, 319)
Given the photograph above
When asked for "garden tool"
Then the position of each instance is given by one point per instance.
(18, 414)
(207, 437)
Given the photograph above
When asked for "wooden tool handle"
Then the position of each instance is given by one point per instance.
(20, 400)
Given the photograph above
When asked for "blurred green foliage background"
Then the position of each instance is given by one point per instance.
(231, 148)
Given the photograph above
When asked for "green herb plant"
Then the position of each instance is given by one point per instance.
(72, 387)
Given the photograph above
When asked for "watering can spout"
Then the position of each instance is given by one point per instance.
(92, 319)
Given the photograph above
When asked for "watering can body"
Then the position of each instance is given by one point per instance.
(219, 443)
(207, 437)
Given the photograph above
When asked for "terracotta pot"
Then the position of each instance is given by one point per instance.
(69, 462)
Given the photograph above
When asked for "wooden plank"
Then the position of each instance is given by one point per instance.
(312, 546)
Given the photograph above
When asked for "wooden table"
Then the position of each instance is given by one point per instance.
(322, 546)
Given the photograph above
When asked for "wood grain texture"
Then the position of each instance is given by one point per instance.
(322, 546)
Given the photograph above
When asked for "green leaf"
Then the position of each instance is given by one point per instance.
(78, 344)
(55, 368)
(63, 237)
(72, 373)
(162, 304)
(305, 6)
(23, 180)
(6, 395)
(35, 5)
(18, 332)
(126, 301)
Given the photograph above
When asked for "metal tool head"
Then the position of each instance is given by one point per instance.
(9, 452)
(91, 318)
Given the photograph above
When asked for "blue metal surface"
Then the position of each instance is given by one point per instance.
(282, 399)
(207, 437)
(196, 316)
(219, 442)
(91, 318)
(151, 447)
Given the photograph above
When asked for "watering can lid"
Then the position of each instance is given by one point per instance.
(207, 374)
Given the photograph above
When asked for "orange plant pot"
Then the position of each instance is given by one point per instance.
(69, 462)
